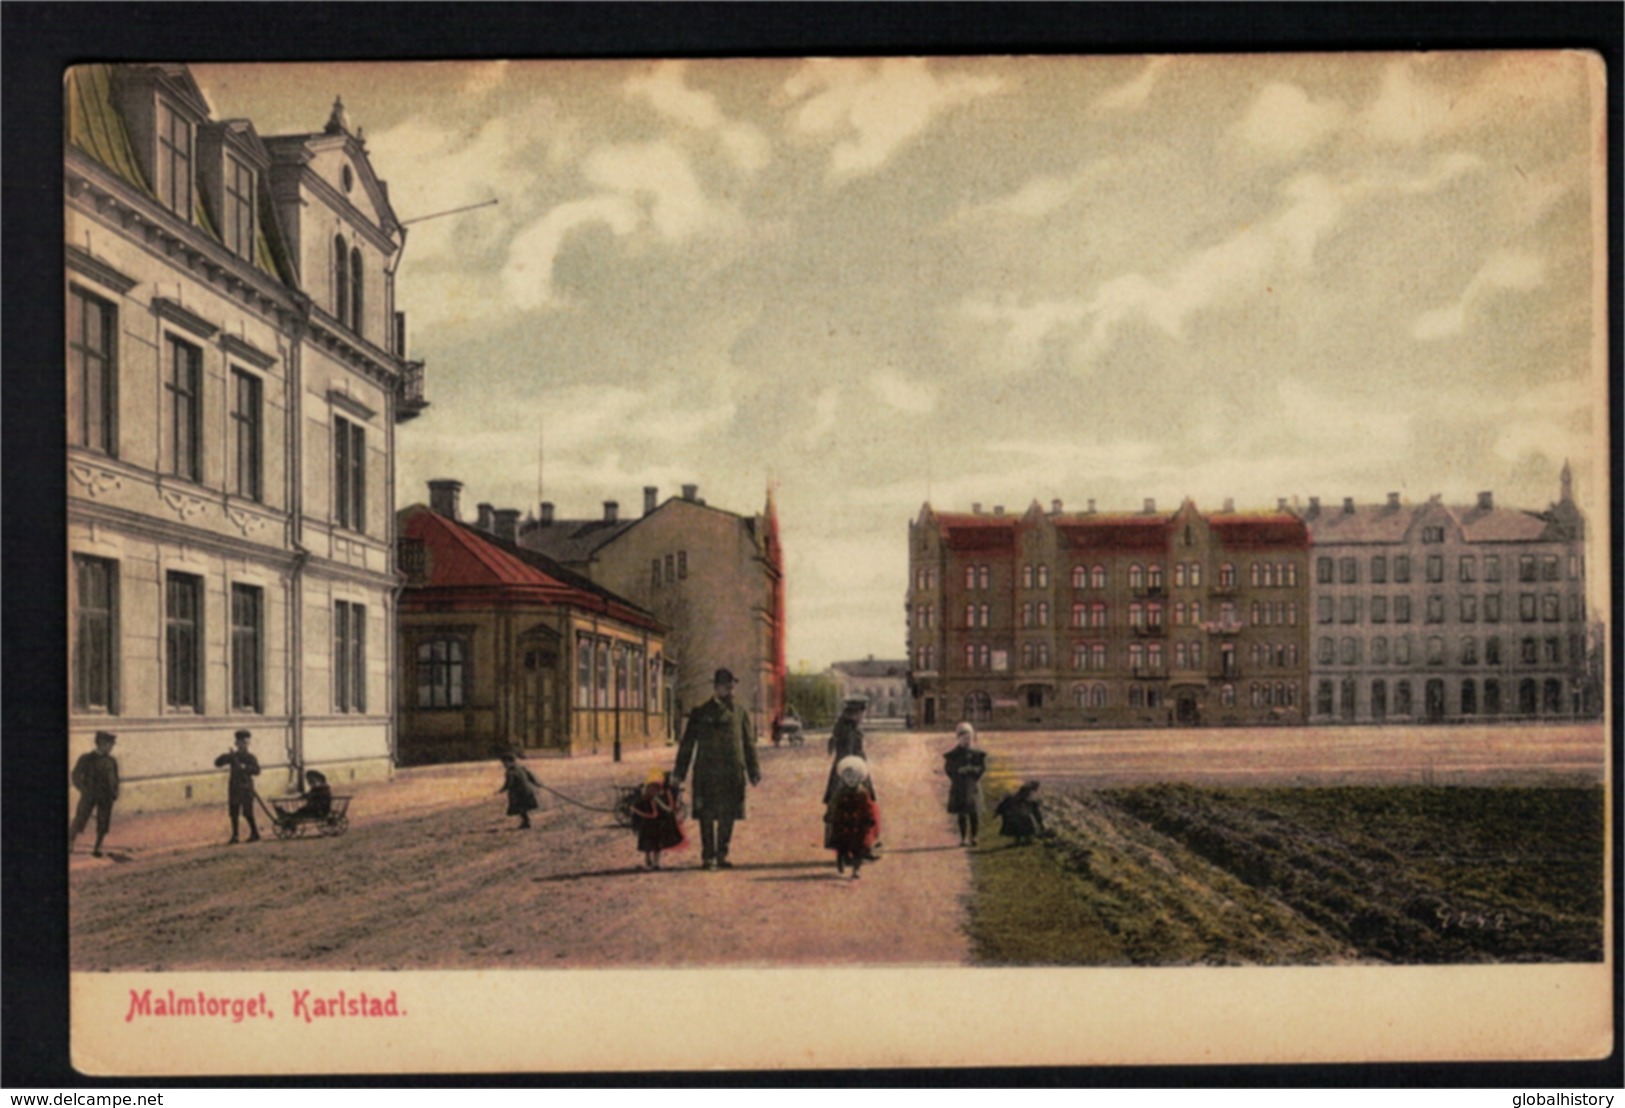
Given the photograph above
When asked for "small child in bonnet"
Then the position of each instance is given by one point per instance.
(656, 818)
(851, 820)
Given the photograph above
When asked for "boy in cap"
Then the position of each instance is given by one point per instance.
(244, 768)
(95, 775)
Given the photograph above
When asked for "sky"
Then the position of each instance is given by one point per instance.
(870, 283)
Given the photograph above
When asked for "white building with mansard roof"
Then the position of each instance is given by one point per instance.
(236, 374)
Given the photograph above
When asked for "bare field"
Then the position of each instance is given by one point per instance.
(1300, 868)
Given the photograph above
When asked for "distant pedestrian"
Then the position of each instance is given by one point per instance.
(240, 797)
(965, 765)
(719, 743)
(846, 741)
(851, 818)
(656, 819)
(1021, 815)
(95, 775)
(520, 784)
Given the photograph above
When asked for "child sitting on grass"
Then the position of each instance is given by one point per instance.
(1020, 814)
(851, 820)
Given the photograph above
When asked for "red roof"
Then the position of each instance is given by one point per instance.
(978, 532)
(1260, 532)
(1140, 532)
(467, 569)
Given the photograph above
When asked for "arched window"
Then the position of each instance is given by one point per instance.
(1227, 695)
(1227, 576)
(1097, 577)
(1097, 696)
(1080, 577)
(1154, 576)
(1136, 576)
(341, 279)
(355, 289)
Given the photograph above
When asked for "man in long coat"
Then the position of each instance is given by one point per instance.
(721, 746)
(95, 775)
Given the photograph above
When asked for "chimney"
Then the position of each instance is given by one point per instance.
(487, 513)
(612, 509)
(1348, 505)
(690, 491)
(650, 494)
(1091, 505)
(1314, 508)
(1055, 506)
(1486, 501)
(1393, 500)
(1150, 506)
(976, 509)
(507, 524)
(1280, 503)
(443, 495)
(998, 509)
(1229, 503)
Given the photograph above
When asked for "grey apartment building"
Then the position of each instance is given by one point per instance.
(1436, 612)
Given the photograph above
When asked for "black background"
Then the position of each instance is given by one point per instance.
(39, 40)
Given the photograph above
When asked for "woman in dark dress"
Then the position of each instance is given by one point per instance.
(965, 765)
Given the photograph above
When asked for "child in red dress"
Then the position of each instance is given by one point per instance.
(851, 819)
(656, 818)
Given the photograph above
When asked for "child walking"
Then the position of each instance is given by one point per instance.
(656, 818)
(851, 819)
(520, 784)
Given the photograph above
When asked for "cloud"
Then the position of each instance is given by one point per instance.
(826, 407)
(484, 77)
(1409, 109)
(647, 185)
(1027, 327)
(664, 89)
(872, 108)
(1514, 272)
(1552, 420)
(902, 395)
(1283, 121)
(1133, 94)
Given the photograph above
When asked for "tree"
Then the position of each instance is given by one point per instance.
(813, 697)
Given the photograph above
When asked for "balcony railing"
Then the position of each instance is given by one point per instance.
(1223, 627)
(1149, 630)
(409, 400)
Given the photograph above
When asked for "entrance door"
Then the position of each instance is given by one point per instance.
(1185, 708)
(930, 710)
(1435, 700)
(536, 700)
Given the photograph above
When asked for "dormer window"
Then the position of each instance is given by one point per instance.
(174, 161)
(238, 214)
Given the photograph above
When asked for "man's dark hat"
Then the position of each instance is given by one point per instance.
(852, 702)
(724, 677)
(106, 736)
(244, 734)
(315, 775)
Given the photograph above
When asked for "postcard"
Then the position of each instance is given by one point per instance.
(797, 563)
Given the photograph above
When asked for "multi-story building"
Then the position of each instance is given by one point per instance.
(504, 650)
(1092, 619)
(713, 577)
(236, 370)
(883, 683)
(1439, 612)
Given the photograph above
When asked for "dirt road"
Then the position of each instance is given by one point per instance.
(432, 875)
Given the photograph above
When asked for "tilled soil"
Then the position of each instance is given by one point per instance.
(432, 874)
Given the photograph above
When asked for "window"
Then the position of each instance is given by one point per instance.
(1027, 614)
(1325, 650)
(1136, 657)
(1196, 575)
(356, 303)
(1492, 608)
(246, 424)
(185, 386)
(1153, 614)
(1043, 576)
(238, 217)
(984, 577)
(349, 657)
(984, 613)
(1323, 571)
(92, 373)
(1153, 656)
(1402, 650)
(1469, 568)
(1492, 650)
(654, 574)
(1097, 577)
(1179, 575)
(1043, 613)
(1526, 607)
(1136, 615)
(1349, 571)
(1379, 569)
(601, 671)
(1349, 651)
(1402, 569)
(349, 474)
(174, 162)
(1433, 534)
(95, 638)
(1379, 651)
(1350, 610)
(1080, 615)
(1469, 609)
(1136, 576)
(1323, 698)
(247, 648)
(440, 673)
(671, 569)
(183, 641)
(1548, 567)
(682, 564)
(1027, 576)
(1435, 567)
(1526, 567)
(1551, 607)
(1435, 609)
(1402, 698)
(1435, 651)
(1469, 651)
(1528, 651)
(1379, 609)
(1402, 609)
(1553, 652)
(341, 279)
(1153, 576)
(1323, 609)
(1227, 576)
(584, 655)
(1080, 577)
(1492, 567)
(970, 577)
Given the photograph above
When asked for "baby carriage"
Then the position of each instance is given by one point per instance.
(291, 818)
